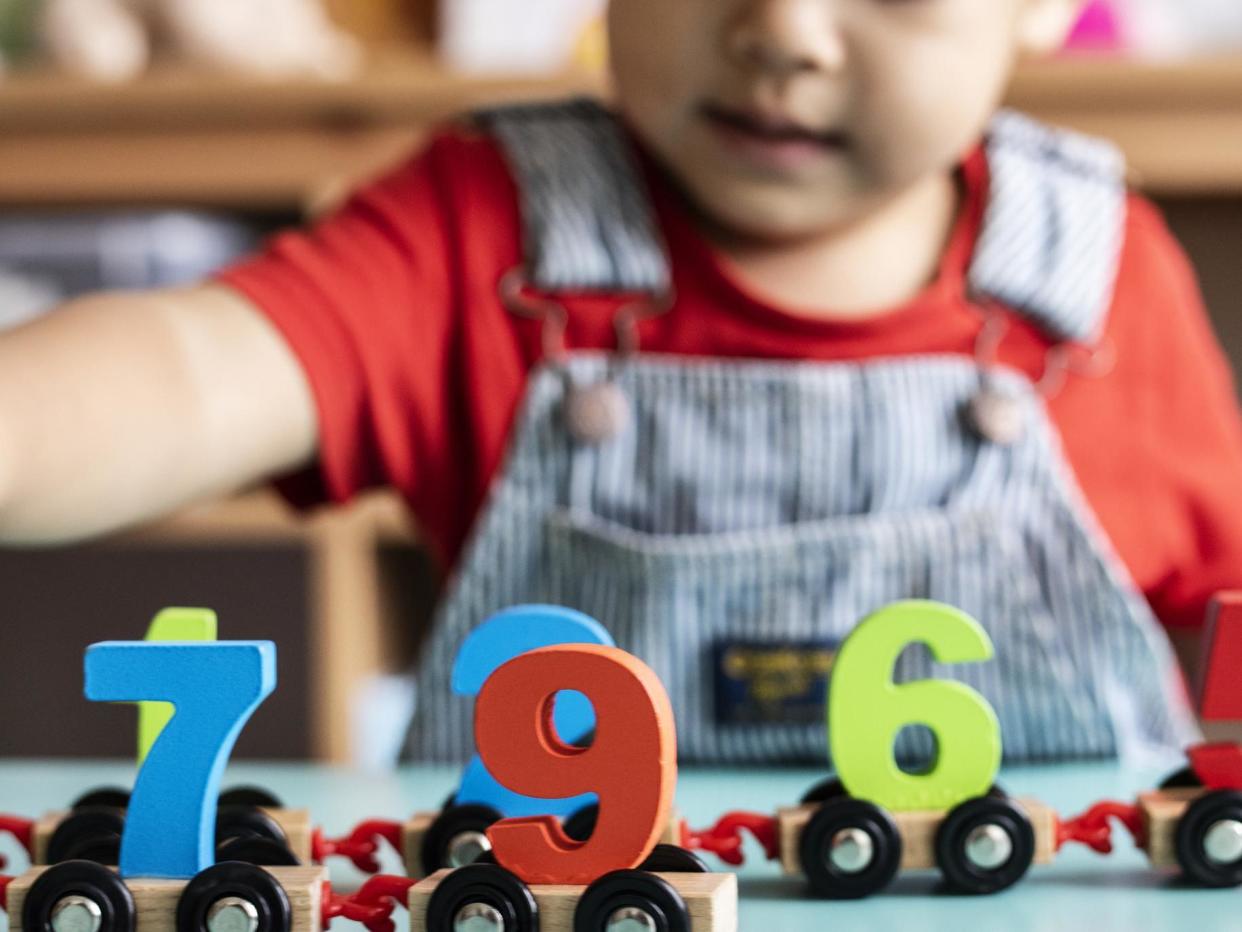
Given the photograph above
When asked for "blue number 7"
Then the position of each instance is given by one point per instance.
(170, 826)
(494, 643)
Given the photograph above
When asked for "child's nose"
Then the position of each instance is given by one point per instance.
(787, 37)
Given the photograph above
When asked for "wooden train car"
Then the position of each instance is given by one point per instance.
(83, 896)
(457, 835)
(848, 848)
(251, 825)
(1192, 823)
(491, 899)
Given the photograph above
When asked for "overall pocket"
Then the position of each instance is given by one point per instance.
(790, 595)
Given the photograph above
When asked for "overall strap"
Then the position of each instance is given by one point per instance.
(586, 213)
(1054, 226)
(1049, 248)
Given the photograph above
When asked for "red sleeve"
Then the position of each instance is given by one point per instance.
(390, 307)
(359, 297)
(1188, 430)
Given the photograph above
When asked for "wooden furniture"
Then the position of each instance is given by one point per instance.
(347, 636)
(1178, 122)
(181, 138)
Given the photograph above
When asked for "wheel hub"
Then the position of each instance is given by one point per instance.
(76, 914)
(630, 919)
(478, 917)
(1222, 842)
(989, 847)
(852, 851)
(232, 914)
(467, 848)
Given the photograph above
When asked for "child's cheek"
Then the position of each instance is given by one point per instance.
(657, 45)
(925, 113)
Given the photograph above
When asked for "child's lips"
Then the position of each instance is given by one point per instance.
(769, 141)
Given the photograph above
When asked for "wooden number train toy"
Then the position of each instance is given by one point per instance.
(563, 820)
(852, 834)
(619, 878)
(456, 835)
(173, 871)
(168, 876)
(253, 824)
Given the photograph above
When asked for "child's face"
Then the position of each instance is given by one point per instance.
(791, 118)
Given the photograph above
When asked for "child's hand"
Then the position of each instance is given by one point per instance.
(119, 408)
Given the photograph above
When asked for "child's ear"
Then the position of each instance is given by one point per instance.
(1044, 25)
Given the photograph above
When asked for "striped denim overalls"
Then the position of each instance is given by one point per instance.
(773, 505)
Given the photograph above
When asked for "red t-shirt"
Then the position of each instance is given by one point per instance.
(417, 368)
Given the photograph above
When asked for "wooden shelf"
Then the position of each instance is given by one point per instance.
(188, 139)
(231, 143)
(404, 87)
(347, 638)
(1180, 122)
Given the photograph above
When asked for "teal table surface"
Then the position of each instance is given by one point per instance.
(1082, 890)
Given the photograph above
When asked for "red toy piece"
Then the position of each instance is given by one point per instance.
(4, 893)
(632, 767)
(360, 845)
(724, 839)
(372, 904)
(1218, 766)
(22, 830)
(543, 878)
(1093, 828)
(1220, 686)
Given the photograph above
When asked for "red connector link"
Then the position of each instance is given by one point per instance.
(1218, 766)
(372, 904)
(4, 892)
(22, 830)
(360, 845)
(724, 839)
(1094, 829)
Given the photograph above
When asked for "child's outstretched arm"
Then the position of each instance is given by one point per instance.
(118, 408)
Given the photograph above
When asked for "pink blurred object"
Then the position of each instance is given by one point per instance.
(1099, 28)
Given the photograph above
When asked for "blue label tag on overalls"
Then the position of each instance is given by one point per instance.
(764, 683)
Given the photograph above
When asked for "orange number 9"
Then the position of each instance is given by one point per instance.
(631, 764)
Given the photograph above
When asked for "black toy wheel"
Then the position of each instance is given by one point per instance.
(110, 797)
(673, 859)
(824, 790)
(651, 902)
(1209, 839)
(849, 849)
(457, 837)
(985, 845)
(250, 796)
(260, 901)
(88, 835)
(581, 825)
(85, 886)
(833, 788)
(486, 893)
(242, 821)
(254, 850)
(1183, 779)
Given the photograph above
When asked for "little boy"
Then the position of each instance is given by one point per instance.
(805, 328)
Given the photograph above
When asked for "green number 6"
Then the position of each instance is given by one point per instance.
(867, 710)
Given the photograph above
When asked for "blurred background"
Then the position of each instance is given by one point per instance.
(147, 142)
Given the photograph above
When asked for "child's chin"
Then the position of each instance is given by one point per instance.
(769, 212)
